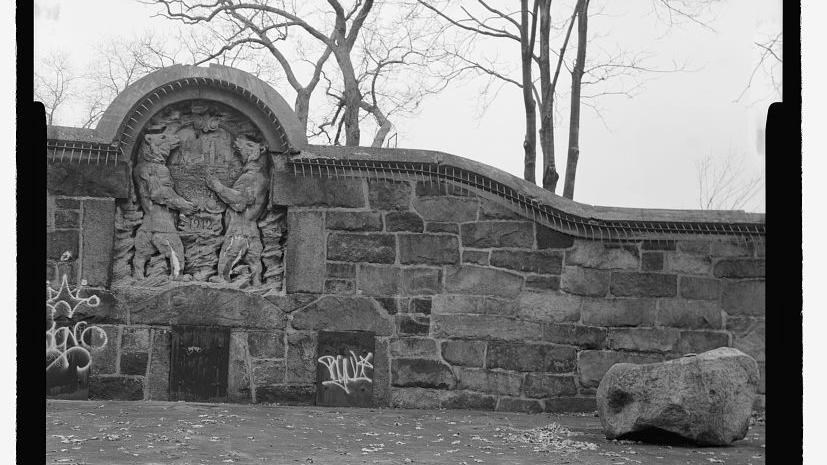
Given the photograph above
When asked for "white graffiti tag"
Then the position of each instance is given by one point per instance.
(67, 342)
(346, 370)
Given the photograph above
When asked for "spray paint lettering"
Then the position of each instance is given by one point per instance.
(75, 342)
(346, 370)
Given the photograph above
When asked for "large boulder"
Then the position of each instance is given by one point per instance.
(706, 398)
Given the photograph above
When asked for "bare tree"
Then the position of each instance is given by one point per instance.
(770, 61)
(53, 83)
(723, 184)
(485, 21)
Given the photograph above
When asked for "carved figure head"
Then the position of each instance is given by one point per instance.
(157, 147)
(250, 150)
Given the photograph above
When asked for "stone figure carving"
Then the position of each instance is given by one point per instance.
(246, 200)
(158, 197)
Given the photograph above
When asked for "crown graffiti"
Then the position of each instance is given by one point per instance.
(64, 301)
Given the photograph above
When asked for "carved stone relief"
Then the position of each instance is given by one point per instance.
(200, 212)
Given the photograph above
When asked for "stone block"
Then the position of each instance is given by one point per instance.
(493, 382)
(238, 375)
(267, 372)
(688, 263)
(587, 337)
(451, 304)
(341, 313)
(632, 284)
(301, 357)
(619, 312)
(548, 238)
(519, 356)
(413, 324)
(436, 188)
(420, 305)
(699, 288)
(744, 298)
(266, 344)
(290, 394)
(651, 261)
(134, 363)
(339, 286)
(491, 210)
(571, 405)
(726, 249)
(424, 373)
(430, 249)
(67, 219)
(289, 303)
(469, 279)
(484, 327)
(543, 262)
(67, 203)
(593, 254)
(354, 221)
(98, 237)
(115, 388)
(699, 247)
(413, 347)
(542, 283)
(391, 305)
(446, 209)
(404, 221)
(541, 385)
(104, 358)
(158, 373)
(135, 339)
(389, 195)
(59, 242)
(381, 374)
(372, 248)
(479, 257)
(415, 398)
(748, 336)
(695, 342)
(185, 305)
(657, 245)
(689, 314)
(511, 404)
(549, 306)
(585, 281)
(449, 228)
(467, 400)
(88, 179)
(378, 280)
(341, 270)
(485, 234)
(293, 191)
(305, 256)
(741, 268)
(466, 353)
(643, 339)
(593, 364)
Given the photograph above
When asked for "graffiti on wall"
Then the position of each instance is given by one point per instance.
(68, 343)
(344, 371)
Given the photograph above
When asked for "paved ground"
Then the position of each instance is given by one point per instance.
(88, 432)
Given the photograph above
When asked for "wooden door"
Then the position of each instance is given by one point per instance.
(199, 362)
(344, 370)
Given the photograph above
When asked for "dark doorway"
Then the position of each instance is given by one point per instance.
(344, 370)
(199, 359)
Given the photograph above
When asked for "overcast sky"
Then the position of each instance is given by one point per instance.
(643, 152)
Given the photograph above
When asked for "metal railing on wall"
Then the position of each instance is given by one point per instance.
(63, 151)
(591, 228)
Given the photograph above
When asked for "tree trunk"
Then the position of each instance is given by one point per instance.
(302, 107)
(530, 142)
(351, 96)
(576, 85)
(550, 175)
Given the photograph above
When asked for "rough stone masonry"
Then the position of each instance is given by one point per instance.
(472, 298)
